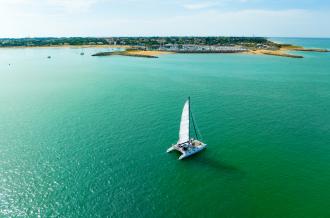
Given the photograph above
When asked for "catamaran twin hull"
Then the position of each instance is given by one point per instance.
(186, 144)
(188, 148)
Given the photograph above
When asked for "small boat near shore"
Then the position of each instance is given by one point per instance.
(186, 144)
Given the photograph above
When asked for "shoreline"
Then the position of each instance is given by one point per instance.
(279, 53)
(134, 53)
(130, 51)
(284, 48)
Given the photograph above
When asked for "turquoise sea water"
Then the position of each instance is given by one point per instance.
(84, 136)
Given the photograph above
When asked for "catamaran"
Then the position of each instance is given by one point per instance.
(186, 144)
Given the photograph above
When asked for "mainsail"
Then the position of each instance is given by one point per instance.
(187, 145)
(184, 125)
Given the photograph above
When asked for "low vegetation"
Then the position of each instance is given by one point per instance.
(32, 42)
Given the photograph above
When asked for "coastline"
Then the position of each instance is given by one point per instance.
(284, 48)
(130, 51)
(134, 53)
(148, 53)
(280, 53)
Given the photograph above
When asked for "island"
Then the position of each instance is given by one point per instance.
(152, 47)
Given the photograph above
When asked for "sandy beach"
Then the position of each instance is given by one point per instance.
(279, 52)
(148, 53)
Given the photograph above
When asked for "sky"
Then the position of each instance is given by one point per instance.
(104, 18)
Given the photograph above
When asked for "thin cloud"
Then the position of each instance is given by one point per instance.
(198, 6)
(210, 4)
(73, 5)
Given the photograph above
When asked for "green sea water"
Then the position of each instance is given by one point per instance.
(84, 136)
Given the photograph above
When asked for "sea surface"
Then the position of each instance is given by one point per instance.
(84, 136)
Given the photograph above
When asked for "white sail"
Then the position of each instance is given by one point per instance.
(184, 125)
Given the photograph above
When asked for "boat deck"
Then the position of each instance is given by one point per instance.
(196, 143)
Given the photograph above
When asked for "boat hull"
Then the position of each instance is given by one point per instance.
(191, 150)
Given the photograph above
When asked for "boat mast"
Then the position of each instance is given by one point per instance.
(192, 119)
(189, 117)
